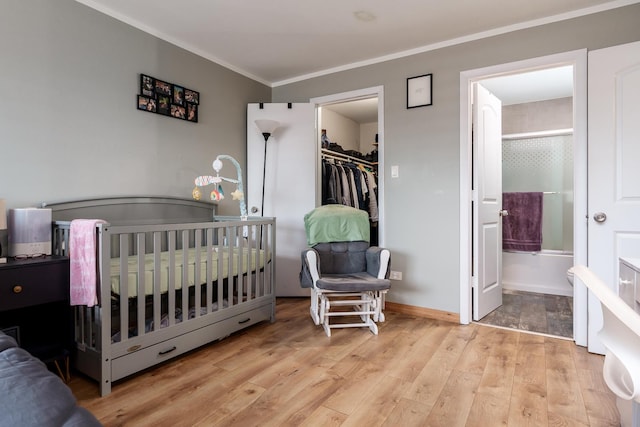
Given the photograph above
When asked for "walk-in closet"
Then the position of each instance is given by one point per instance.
(349, 156)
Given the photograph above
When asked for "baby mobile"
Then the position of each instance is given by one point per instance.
(217, 194)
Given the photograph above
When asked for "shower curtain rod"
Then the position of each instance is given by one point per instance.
(541, 134)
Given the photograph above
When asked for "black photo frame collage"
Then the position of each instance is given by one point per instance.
(168, 99)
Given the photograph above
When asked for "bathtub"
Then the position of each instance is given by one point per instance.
(541, 272)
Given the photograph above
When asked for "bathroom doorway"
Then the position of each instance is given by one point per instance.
(537, 156)
(537, 161)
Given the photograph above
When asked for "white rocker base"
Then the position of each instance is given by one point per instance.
(366, 305)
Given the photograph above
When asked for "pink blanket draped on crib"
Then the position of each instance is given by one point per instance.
(82, 260)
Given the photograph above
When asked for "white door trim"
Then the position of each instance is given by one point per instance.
(376, 91)
(578, 59)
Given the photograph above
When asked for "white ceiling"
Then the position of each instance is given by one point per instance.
(532, 86)
(281, 41)
(360, 111)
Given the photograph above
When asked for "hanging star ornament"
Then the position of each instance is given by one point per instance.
(237, 195)
(196, 193)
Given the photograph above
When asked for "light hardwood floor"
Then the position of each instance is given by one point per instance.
(416, 372)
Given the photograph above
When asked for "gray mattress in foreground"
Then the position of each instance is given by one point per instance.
(31, 395)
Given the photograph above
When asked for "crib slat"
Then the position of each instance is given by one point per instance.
(124, 288)
(185, 275)
(157, 279)
(197, 265)
(241, 261)
(220, 267)
(254, 251)
(171, 282)
(209, 285)
(140, 293)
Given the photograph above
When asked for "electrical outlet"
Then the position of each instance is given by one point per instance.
(395, 275)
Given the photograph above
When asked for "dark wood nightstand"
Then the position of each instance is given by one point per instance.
(34, 300)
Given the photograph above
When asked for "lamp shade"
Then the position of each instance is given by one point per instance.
(267, 126)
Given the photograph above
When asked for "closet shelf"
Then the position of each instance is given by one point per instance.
(328, 154)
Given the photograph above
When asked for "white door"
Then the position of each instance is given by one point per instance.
(289, 185)
(487, 186)
(614, 168)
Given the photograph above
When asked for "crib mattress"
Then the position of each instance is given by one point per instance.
(243, 260)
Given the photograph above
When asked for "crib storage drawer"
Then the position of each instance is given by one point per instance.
(30, 283)
(131, 363)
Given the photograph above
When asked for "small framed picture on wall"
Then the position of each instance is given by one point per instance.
(164, 105)
(178, 95)
(191, 96)
(192, 112)
(147, 85)
(178, 111)
(146, 103)
(419, 91)
(163, 88)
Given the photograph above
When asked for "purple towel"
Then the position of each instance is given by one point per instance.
(522, 228)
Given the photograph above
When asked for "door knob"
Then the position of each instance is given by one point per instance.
(504, 212)
(254, 209)
(599, 217)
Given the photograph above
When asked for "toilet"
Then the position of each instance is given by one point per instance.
(570, 276)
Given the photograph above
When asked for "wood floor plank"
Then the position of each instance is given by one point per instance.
(455, 401)
(476, 353)
(497, 377)
(528, 403)
(417, 352)
(416, 372)
(234, 401)
(564, 396)
(293, 393)
(325, 417)
(429, 383)
(407, 413)
(291, 362)
(363, 378)
(379, 402)
(601, 407)
(488, 410)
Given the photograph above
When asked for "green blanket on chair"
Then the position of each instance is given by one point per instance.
(336, 223)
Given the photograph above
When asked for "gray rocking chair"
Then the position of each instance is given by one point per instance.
(342, 269)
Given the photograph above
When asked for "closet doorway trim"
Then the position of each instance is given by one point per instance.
(371, 92)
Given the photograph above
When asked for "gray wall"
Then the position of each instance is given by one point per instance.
(422, 205)
(552, 114)
(69, 128)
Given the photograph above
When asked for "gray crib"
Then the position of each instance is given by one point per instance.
(173, 277)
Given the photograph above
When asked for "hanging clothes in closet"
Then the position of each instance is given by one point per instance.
(351, 183)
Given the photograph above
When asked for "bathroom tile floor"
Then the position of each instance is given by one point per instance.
(526, 311)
